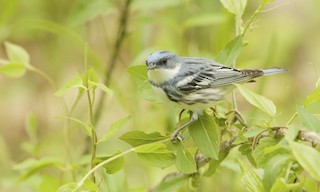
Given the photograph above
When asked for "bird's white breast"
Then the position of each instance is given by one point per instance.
(162, 74)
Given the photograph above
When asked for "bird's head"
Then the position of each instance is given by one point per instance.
(161, 60)
(162, 66)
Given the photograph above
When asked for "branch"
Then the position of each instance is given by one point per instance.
(303, 135)
(227, 145)
(122, 30)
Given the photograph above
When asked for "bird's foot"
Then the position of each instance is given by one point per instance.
(177, 136)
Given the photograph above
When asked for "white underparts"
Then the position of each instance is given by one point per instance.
(162, 74)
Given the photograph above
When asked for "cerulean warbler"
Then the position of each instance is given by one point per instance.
(195, 84)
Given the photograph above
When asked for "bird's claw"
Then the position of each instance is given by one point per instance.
(177, 136)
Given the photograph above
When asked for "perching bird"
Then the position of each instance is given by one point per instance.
(195, 84)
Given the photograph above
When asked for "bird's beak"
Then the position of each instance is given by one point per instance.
(151, 66)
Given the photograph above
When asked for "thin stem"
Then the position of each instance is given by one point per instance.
(239, 31)
(93, 169)
(116, 50)
(292, 118)
(180, 115)
(93, 133)
(91, 116)
(234, 99)
(252, 18)
(68, 146)
(96, 167)
(238, 23)
(41, 73)
(276, 7)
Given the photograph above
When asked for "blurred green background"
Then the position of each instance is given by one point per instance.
(54, 33)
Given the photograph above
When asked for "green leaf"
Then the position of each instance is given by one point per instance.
(235, 7)
(171, 183)
(87, 128)
(292, 133)
(281, 185)
(68, 187)
(307, 157)
(185, 162)
(17, 54)
(136, 138)
(206, 135)
(75, 82)
(92, 75)
(89, 185)
(250, 178)
(259, 154)
(214, 164)
(148, 93)
(240, 139)
(258, 101)
(14, 70)
(30, 167)
(115, 182)
(156, 154)
(254, 132)
(246, 150)
(49, 184)
(313, 97)
(231, 52)
(139, 73)
(115, 127)
(101, 86)
(309, 120)
(204, 20)
(113, 166)
(275, 167)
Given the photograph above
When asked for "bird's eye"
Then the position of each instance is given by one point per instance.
(163, 61)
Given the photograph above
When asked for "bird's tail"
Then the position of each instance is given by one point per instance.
(273, 70)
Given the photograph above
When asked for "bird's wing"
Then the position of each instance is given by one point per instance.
(202, 74)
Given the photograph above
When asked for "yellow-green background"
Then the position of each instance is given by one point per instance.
(285, 34)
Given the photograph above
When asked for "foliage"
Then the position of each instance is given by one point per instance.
(114, 145)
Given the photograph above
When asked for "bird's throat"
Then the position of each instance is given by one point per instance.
(161, 75)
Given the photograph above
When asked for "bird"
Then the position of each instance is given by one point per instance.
(194, 83)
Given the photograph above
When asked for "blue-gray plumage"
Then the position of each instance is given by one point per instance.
(195, 83)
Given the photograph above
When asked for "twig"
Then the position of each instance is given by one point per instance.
(303, 135)
(97, 166)
(91, 116)
(227, 145)
(309, 136)
(122, 30)
(258, 10)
